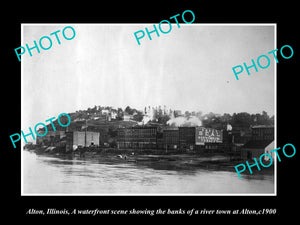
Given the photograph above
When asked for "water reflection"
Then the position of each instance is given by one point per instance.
(74, 175)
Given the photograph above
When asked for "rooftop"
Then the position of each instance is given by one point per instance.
(262, 126)
(257, 143)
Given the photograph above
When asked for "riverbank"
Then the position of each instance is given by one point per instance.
(116, 151)
(157, 159)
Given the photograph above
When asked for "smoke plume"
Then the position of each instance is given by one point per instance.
(184, 121)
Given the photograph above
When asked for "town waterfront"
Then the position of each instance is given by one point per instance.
(56, 174)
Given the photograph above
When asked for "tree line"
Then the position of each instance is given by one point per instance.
(241, 120)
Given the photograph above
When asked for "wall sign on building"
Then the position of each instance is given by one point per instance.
(208, 135)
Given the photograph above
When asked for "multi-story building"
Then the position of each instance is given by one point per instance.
(262, 141)
(196, 138)
(187, 138)
(81, 139)
(51, 138)
(171, 138)
(137, 138)
(262, 132)
(144, 137)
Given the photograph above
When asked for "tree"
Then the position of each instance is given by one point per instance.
(242, 119)
(163, 119)
(187, 114)
(120, 114)
(226, 118)
(271, 120)
(138, 116)
(93, 110)
(129, 110)
(199, 114)
(263, 119)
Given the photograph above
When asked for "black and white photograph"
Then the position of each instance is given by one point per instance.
(131, 109)
(150, 112)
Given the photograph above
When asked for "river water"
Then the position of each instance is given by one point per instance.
(44, 175)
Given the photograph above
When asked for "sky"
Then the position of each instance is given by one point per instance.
(190, 68)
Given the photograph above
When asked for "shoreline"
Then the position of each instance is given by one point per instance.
(159, 159)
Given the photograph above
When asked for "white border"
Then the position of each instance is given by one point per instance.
(183, 194)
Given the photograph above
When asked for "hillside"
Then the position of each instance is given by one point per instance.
(107, 118)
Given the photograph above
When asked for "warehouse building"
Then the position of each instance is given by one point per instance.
(171, 138)
(262, 141)
(186, 138)
(197, 138)
(75, 139)
(262, 132)
(210, 139)
(52, 138)
(137, 138)
(254, 149)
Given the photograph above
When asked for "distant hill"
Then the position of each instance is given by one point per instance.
(92, 120)
(107, 118)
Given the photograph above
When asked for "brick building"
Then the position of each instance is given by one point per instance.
(171, 138)
(137, 138)
(262, 141)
